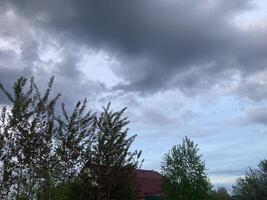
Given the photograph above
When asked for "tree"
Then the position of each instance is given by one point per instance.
(184, 173)
(253, 185)
(220, 194)
(71, 156)
(17, 118)
(43, 129)
(74, 139)
(111, 164)
(7, 153)
(28, 135)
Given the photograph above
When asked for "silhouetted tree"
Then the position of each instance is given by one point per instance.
(184, 173)
(18, 117)
(71, 156)
(112, 163)
(30, 129)
(220, 194)
(44, 122)
(253, 185)
(74, 139)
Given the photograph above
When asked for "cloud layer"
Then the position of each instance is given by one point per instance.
(183, 67)
(160, 45)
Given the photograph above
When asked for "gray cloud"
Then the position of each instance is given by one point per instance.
(155, 117)
(190, 45)
(257, 115)
(254, 90)
(229, 171)
(158, 45)
(21, 44)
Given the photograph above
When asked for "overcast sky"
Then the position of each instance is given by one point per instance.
(182, 67)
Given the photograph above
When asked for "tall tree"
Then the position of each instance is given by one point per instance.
(40, 154)
(18, 116)
(7, 153)
(43, 127)
(112, 161)
(31, 124)
(184, 173)
(253, 185)
(74, 138)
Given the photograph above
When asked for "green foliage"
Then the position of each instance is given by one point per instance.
(7, 153)
(74, 139)
(21, 197)
(112, 163)
(46, 155)
(220, 194)
(28, 138)
(72, 191)
(49, 156)
(253, 185)
(184, 173)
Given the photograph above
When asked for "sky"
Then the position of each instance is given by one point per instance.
(181, 67)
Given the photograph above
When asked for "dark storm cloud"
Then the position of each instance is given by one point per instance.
(160, 44)
(69, 79)
(20, 47)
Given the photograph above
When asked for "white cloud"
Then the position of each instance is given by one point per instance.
(223, 180)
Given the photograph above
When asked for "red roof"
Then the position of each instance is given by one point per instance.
(148, 182)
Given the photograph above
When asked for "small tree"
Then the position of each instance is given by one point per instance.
(220, 194)
(184, 173)
(253, 185)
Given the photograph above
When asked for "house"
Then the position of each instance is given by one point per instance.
(148, 184)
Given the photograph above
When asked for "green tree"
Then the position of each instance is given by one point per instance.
(73, 156)
(253, 185)
(44, 127)
(220, 194)
(74, 138)
(7, 153)
(184, 173)
(30, 129)
(18, 116)
(111, 164)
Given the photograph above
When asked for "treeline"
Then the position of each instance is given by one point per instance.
(49, 154)
(184, 178)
